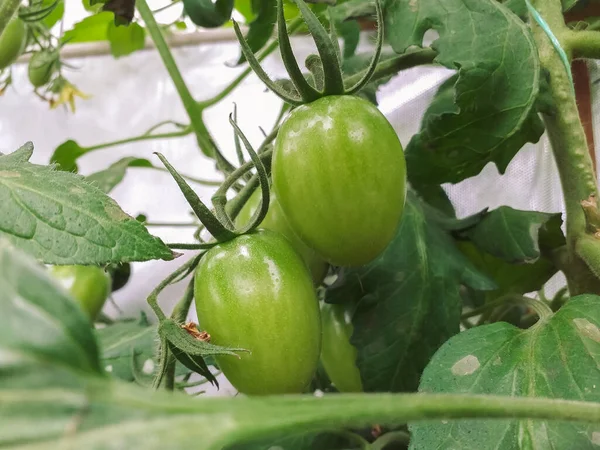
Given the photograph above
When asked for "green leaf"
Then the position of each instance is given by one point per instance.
(125, 39)
(207, 14)
(261, 28)
(486, 113)
(39, 321)
(511, 278)
(124, 344)
(60, 218)
(408, 301)
(92, 28)
(557, 358)
(106, 180)
(512, 234)
(66, 154)
(57, 13)
(300, 441)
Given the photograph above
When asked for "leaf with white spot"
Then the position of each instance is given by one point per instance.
(559, 357)
(126, 345)
(60, 218)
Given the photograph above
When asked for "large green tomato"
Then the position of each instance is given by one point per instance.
(89, 285)
(340, 176)
(275, 221)
(12, 42)
(255, 292)
(338, 355)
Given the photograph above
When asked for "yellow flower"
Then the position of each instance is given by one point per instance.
(66, 95)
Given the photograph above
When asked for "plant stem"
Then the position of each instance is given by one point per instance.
(567, 136)
(142, 137)
(194, 111)
(583, 44)
(393, 65)
(7, 11)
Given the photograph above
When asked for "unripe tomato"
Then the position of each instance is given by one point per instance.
(41, 67)
(255, 292)
(276, 221)
(340, 176)
(338, 355)
(89, 285)
(12, 42)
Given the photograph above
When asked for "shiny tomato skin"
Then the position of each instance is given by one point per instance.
(340, 176)
(12, 42)
(275, 221)
(255, 292)
(89, 285)
(338, 355)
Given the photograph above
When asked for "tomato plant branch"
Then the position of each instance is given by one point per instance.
(7, 11)
(141, 137)
(393, 65)
(584, 43)
(193, 110)
(566, 133)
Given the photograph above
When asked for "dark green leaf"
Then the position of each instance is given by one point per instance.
(487, 113)
(125, 343)
(261, 28)
(511, 278)
(60, 218)
(350, 33)
(207, 14)
(408, 301)
(125, 39)
(66, 154)
(39, 321)
(92, 28)
(353, 9)
(557, 358)
(123, 11)
(512, 234)
(107, 179)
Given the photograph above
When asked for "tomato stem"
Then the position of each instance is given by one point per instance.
(7, 11)
(193, 110)
(584, 43)
(567, 136)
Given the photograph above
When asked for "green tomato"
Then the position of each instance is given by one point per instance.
(338, 355)
(255, 292)
(275, 221)
(12, 42)
(340, 176)
(89, 285)
(42, 66)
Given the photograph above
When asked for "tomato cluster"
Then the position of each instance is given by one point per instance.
(339, 186)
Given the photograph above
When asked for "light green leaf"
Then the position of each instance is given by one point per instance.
(486, 113)
(408, 301)
(59, 218)
(556, 358)
(107, 179)
(125, 39)
(92, 28)
(39, 321)
(66, 154)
